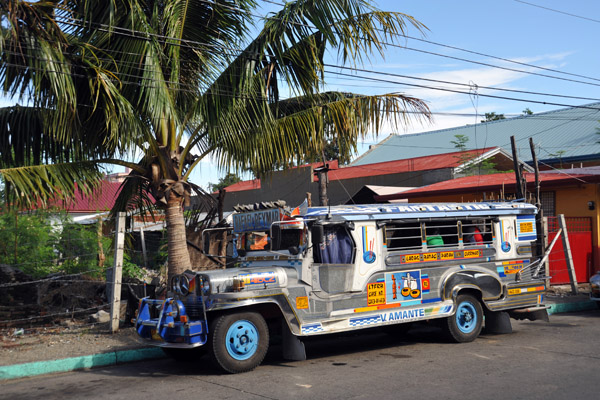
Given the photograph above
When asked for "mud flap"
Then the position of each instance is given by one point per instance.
(532, 314)
(293, 348)
(497, 322)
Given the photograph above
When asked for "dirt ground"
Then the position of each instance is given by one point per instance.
(22, 345)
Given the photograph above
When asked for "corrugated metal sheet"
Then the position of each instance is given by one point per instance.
(565, 133)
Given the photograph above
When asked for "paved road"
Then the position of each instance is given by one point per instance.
(538, 360)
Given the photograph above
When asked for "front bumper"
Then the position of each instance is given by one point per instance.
(165, 323)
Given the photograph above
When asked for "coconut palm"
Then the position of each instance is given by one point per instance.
(172, 82)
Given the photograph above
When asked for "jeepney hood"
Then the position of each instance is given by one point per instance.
(256, 278)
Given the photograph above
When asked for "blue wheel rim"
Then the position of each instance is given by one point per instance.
(466, 317)
(242, 340)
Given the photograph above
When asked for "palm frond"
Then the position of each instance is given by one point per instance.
(35, 186)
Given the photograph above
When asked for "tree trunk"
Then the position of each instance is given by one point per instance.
(179, 258)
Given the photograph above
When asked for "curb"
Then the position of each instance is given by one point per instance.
(555, 308)
(74, 363)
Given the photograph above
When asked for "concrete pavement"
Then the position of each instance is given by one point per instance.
(559, 301)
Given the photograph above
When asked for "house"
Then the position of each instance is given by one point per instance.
(352, 184)
(563, 138)
(574, 193)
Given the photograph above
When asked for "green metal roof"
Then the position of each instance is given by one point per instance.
(569, 134)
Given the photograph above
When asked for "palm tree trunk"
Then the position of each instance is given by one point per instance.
(179, 258)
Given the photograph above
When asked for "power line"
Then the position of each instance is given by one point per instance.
(449, 82)
(500, 58)
(181, 88)
(480, 94)
(558, 11)
(128, 33)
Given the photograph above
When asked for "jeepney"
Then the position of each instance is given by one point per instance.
(320, 270)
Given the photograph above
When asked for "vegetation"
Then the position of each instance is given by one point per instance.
(483, 167)
(177, 81)
(225, 181)
(492, 116)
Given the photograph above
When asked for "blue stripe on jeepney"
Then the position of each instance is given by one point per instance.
(425, 301)
(312, 328)
(364, 321)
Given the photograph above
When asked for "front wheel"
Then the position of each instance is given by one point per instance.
(239, 342)
(465, 325)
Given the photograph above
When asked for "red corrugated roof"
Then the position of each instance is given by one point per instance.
(102, 199)
(437, 161)
(244, 185)
(489, 182)
(447, 160)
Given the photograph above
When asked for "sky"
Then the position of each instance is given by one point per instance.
(561, 36)
(507, 29)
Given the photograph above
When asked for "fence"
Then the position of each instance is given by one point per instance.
(60, 273)
(580, 240)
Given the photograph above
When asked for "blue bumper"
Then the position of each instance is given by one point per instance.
(172, 327)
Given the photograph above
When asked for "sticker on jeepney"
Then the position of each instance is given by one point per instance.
(411, 258)
(403, 286)
(471, 253)
(368, 244)
(376, 293)
(259, 278)
(526, 227)
(301, 303)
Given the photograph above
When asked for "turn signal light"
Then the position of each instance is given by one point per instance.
(184, 319)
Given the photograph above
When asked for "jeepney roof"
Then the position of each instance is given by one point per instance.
(421, 210)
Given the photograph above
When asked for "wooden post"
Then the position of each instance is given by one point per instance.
(547, 262)
(115, 302)
(568, 255)
(518, 177)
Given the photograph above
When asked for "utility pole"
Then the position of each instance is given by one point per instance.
(518, 171)
(539, 218)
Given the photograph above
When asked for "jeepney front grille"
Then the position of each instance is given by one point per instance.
(194, 310)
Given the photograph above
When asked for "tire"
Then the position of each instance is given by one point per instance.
(238, 342)
(465, 325)
(184, 355)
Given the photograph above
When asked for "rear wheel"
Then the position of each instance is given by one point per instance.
(465, 324)
(239, 342)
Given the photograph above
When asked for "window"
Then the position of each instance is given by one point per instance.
(253, 241)
(548, 200)
(410, 236)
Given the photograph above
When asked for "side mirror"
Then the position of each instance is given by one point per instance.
(317, 234)
(275, 237)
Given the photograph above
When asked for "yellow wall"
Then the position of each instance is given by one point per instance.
(572, 201)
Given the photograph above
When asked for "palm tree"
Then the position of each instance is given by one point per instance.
(176, 81)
